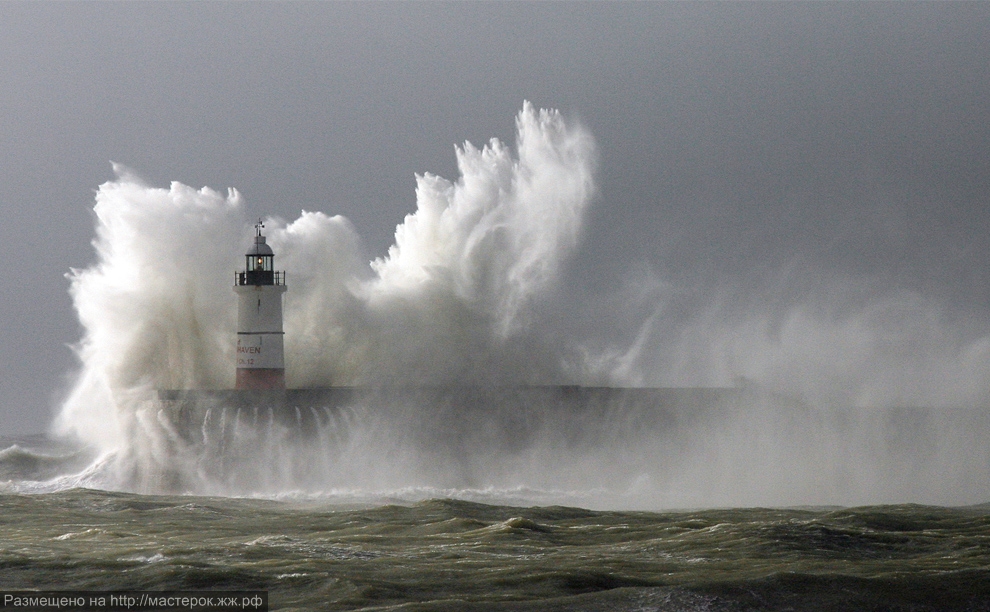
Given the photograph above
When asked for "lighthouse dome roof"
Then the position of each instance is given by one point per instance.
(260, 247)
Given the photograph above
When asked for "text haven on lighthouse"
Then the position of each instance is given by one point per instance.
(259, 288)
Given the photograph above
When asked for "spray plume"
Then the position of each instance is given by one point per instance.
(461, 298)
(452, 301)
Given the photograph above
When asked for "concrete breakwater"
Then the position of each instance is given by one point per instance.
(303, 411)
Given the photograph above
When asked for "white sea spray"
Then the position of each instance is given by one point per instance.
(465, 296)
(452, 301)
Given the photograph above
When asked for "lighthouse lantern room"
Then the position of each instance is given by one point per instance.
(259, 288)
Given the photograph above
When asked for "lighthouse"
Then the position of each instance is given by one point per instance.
(259, 288)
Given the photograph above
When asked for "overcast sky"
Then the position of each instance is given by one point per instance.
(740, 144)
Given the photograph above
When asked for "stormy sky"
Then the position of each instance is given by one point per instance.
(750, 155)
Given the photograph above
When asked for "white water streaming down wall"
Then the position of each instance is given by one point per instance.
(589, 447)
(462, 298)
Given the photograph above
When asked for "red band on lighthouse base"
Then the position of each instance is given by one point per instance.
(260, 378)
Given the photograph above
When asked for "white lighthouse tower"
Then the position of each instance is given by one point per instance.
(259, 288)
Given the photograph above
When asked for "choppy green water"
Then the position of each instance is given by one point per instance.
(457, 555)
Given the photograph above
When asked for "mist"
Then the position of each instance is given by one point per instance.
(844, 391)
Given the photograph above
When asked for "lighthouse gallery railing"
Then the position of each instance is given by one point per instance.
(259, 277)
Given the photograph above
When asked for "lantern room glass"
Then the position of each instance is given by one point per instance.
(259, 263)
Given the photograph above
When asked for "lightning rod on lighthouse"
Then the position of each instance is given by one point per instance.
(259, 288)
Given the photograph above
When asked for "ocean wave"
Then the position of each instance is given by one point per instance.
(19, 462)
(510, 496)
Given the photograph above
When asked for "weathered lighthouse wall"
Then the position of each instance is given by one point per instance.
(260, 344)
